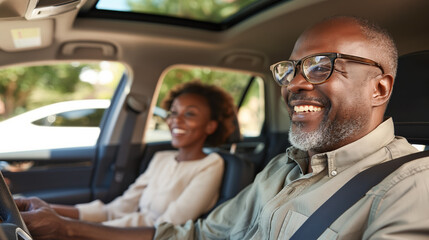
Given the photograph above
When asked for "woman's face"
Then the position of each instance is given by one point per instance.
(189, 121)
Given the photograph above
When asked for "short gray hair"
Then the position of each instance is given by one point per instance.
(380, 38)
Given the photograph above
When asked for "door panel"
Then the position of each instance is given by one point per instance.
(58, 176)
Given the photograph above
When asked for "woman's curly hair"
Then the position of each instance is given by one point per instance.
(220, 103)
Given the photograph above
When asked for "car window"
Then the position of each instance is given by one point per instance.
(55, 106)
(211, 11)
(247, 91)
(251, 114)
(76, 118)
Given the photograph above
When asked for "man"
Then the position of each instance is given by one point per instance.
(336, 87)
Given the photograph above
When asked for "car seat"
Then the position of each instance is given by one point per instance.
(238, 172)
(410, 99)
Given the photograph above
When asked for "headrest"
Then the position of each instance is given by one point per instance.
(409, 104)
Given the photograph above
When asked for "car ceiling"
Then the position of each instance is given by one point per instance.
(252, 44)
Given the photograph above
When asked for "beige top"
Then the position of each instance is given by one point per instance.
(169, 191)
(283, 196)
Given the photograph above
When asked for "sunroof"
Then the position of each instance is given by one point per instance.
(210, 11)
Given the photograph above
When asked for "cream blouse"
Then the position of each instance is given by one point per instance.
(168, 191)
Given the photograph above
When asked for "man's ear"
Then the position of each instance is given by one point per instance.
(382, 89)
(211, 127)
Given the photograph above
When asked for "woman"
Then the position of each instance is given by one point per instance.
(178, 185)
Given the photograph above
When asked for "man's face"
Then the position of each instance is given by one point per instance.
(330, 115)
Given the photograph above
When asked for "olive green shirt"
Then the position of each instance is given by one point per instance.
(282, 196)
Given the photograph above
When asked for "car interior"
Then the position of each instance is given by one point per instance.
(155, 51)
(409, 98)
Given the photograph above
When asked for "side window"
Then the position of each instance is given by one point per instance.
(55, 106)
(247, 91)
(251, 114)
(76, 118)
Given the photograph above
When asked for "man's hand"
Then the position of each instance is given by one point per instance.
(41, 220)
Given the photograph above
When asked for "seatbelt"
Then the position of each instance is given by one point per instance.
(134, 107)
(348, 195)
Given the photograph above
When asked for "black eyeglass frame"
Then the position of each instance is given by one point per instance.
(332, 57)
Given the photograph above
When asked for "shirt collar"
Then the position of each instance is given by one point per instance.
(344, 157)
(298, 156)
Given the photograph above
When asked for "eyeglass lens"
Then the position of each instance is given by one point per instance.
(316, 69)
(284, 72)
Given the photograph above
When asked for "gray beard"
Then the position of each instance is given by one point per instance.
(326, 136)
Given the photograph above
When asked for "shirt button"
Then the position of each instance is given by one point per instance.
(333, 173)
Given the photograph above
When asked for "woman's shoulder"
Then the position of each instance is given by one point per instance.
(213, 157)
(211, 160)
(164, 156)
(166, 153)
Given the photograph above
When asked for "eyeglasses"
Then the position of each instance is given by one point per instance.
(316, 69)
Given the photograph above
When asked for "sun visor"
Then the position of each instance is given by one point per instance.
(25, 35)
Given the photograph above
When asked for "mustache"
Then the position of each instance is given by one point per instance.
(303, 97)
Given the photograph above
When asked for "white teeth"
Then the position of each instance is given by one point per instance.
(178, 131)
(307, 108)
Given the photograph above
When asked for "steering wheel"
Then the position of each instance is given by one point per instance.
(12, 227)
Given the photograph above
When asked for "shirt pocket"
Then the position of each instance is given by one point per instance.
(294, 220)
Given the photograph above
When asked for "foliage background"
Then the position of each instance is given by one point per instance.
(203, 10)
(251, 114)
(23, 88)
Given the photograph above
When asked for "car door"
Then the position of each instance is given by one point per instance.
(63, 174)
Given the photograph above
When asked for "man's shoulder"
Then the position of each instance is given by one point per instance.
(280, 163)
(277, 161)
(402, 196)
(400, 147)
(413, 174)
(414, 168)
